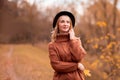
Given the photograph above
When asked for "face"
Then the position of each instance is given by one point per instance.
(64, 23)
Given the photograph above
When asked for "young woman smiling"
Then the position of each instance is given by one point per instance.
(65, 49)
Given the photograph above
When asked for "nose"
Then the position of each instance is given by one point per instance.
(65, 23)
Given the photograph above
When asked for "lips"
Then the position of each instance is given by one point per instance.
(65, 27)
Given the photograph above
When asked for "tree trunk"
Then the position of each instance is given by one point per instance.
(114, 16)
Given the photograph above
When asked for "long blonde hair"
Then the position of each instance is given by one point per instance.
(56, 31)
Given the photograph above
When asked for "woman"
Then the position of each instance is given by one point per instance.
(65, 50)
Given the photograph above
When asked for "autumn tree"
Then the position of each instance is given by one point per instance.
(101, 30)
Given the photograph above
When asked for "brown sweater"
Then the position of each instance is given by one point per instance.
(64, 57)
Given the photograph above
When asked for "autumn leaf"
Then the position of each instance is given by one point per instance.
(95, 64)
(101, 24)
(95, 46)
(102, 57)
(118, 29)
(87, 72)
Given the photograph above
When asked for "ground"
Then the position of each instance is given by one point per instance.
(24, 62)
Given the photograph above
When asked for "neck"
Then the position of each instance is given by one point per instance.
(62, 37)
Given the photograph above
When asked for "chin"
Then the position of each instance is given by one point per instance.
(66, 31)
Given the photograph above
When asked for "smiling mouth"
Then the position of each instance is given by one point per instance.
(65, 27)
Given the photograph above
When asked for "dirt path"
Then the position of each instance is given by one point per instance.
(9, 65)
(24, 62)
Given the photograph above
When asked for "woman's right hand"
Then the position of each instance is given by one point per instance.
(72, 34)
(81, 66)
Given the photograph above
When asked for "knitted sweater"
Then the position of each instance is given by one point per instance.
(64, 56)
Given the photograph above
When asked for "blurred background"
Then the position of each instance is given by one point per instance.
(25, 30)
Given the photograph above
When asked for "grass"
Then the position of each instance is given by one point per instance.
(31, 62)
(28, 62)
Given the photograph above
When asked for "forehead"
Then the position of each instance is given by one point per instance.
(64, 17)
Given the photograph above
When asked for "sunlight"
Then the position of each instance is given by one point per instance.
(31, 1)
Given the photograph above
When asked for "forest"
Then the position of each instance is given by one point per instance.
(25, 31)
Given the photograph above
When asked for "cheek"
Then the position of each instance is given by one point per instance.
(60, 26)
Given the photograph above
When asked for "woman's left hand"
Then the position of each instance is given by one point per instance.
(81, 66)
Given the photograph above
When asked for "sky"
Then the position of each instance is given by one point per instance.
(47, 3)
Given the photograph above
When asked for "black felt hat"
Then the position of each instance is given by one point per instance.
(69, 14)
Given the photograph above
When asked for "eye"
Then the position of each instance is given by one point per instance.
(68, 21)
(62, 21)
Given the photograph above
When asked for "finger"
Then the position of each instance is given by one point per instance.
(70, 31)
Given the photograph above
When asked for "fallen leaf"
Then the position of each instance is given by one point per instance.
(87, 72)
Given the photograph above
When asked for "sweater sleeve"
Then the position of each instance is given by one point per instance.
(77, 51)
(57, 64)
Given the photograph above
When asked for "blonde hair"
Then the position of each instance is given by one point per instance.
(56, 31)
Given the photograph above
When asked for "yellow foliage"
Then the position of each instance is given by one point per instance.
(101, 24)
(116, 57)
(87, 72)
(101, 38)
(97, 40)
(109, 59)
(94, 65)
(118, 66)
(102, 57)
(106, 37)
(110, 45)
(111, 35)
(95, 46)
(88, 41)
(105, 75)
(118, 29)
